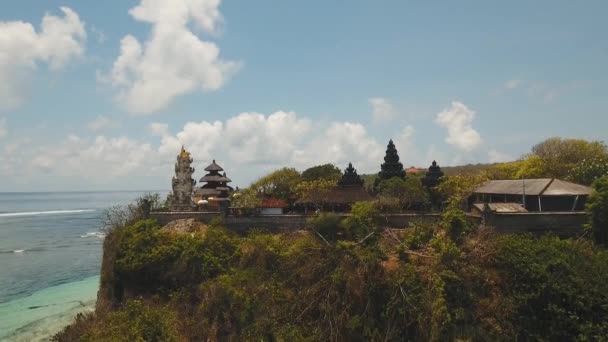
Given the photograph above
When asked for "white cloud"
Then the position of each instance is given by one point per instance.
(458, 121)
(499, 157)
(3, 129)
(100, 123)
(173, 61)
(59, 40)
(341, 143)
(512, 84)
(408, 152)
(99, 158)
(247, 144)
(254, 138)
(382, 109)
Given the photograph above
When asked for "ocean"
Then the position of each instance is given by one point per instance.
(50, 256)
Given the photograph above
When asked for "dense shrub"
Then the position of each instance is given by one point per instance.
(556, 288)
(597, 206)
(433, 282)
(151, 259)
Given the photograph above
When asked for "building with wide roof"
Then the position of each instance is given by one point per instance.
(542, 194)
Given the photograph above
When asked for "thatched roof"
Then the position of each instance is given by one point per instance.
(338, 195)
(214, 167)
(215, 178)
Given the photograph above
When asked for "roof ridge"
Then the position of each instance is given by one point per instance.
(546, 187)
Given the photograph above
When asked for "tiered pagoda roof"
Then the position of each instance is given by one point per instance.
(216, 184)
(350, 177)
(391, 167)
(433, 176)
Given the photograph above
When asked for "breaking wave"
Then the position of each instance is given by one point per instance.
(94, 234)
(47, 212)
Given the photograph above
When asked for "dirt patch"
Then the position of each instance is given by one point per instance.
(185, 226)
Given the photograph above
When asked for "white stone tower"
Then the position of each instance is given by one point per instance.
(183, 184)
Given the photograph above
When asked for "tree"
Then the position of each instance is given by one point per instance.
(247, 198)
(325, 171)
(409, 192)
(458, 188)
(280, 183)
(587, 171)
(534, 167)
(559, 155)
(597, 207)
(307, 189)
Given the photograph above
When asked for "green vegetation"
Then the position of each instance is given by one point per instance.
(278, 184)
(326, 171)
(352, 279)
(597, 206)
(577, 160)
(409, 192)
(347, 279)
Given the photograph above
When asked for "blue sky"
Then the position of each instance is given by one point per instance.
(100, 95)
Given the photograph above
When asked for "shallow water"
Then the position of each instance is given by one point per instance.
(50, 255)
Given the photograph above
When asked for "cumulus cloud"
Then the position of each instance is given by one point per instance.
(408, 151)
(255, 138)
(247, 144)
(3, 129)
(341, 143)
(457, 120)
(382, 109)
(499, 157)
(100, 123)
(173, 61)
(59, 40)
(100, 157)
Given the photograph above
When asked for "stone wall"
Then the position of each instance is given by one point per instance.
(285, 222)
(561, 223)
(273, 223)
(566, 223)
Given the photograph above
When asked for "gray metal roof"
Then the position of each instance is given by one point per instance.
(560, 188)
(533, 187)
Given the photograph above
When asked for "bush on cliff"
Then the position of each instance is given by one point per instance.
(442, 282)
(597, 207)
(556, 289)
(150, 259)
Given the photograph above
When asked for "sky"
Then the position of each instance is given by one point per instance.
(101, 95)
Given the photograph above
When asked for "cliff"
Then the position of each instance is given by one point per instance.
(346, 279)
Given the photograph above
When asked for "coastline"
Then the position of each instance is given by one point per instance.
(44, 313)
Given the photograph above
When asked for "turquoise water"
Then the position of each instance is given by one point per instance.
(50, 256)
(45, 312)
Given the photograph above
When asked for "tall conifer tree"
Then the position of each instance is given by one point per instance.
(391, 167)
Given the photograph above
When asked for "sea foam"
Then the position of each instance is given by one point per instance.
(47, 212)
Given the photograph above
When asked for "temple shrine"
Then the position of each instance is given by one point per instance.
(215, 188)
(433, 176)
(180, 199)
